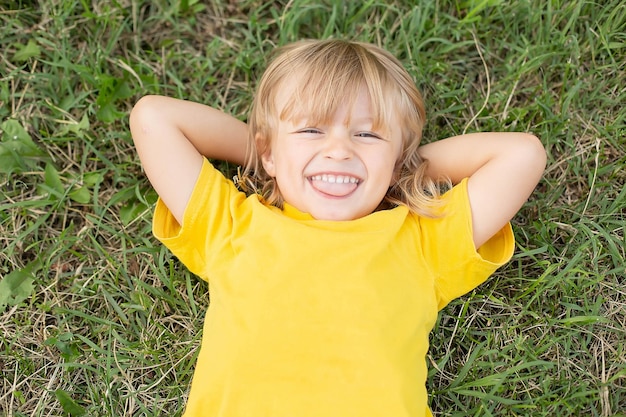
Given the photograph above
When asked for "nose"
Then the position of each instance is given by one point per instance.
(338, 145)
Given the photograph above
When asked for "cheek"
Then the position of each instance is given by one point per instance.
(391, 175)
(388, 166)
(291, 158)
(397, 171)
(283, 167)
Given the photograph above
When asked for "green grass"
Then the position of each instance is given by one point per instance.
(98, 319)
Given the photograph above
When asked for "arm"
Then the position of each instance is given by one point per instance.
(503, 170)
(171, 137)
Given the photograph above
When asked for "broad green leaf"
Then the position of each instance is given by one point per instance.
(81, 195)
(13, 130)
(107, 113)
(73, 128)
(82, 125)
(122, 90)
(91, 179)
(131, 211)
(77, 128)
(18, 152)
(111, 89)
(16, 287)
(25, 52)
(69, 405)
(52, 179)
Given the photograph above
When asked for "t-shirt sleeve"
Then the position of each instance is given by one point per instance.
(207, 220)
(448, 246)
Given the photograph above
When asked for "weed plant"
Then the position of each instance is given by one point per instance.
(98, 319)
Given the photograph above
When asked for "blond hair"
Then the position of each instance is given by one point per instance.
(330, 74)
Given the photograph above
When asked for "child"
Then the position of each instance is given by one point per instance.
(327, 281)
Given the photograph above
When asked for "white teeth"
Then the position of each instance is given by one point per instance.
(339, 179)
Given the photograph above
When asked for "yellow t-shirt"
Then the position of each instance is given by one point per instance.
(320, 318)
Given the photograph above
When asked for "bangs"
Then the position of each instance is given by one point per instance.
(328, 79)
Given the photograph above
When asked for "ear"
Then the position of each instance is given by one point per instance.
(265, 151)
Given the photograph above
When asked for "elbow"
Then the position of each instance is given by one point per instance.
(142, 108)
(533, 153)
(141, 115)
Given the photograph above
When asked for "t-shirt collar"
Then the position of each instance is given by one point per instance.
(293, 213)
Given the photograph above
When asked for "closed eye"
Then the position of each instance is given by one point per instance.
(370, 135)
(309, 130)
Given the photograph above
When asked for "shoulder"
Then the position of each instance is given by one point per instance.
(450, 231)
(216, 214)
(212, 199)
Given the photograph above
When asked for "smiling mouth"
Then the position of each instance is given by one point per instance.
(334, 185)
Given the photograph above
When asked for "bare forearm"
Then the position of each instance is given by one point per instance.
(213, 133)
(460, 157)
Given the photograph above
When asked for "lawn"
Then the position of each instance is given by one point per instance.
(98, 319)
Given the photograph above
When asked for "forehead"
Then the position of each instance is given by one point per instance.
(297, 99)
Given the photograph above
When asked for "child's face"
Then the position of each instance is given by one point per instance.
(338, 170)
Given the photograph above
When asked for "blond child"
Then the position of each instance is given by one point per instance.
(326, 281)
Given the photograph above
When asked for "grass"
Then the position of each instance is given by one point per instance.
(98, 319)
